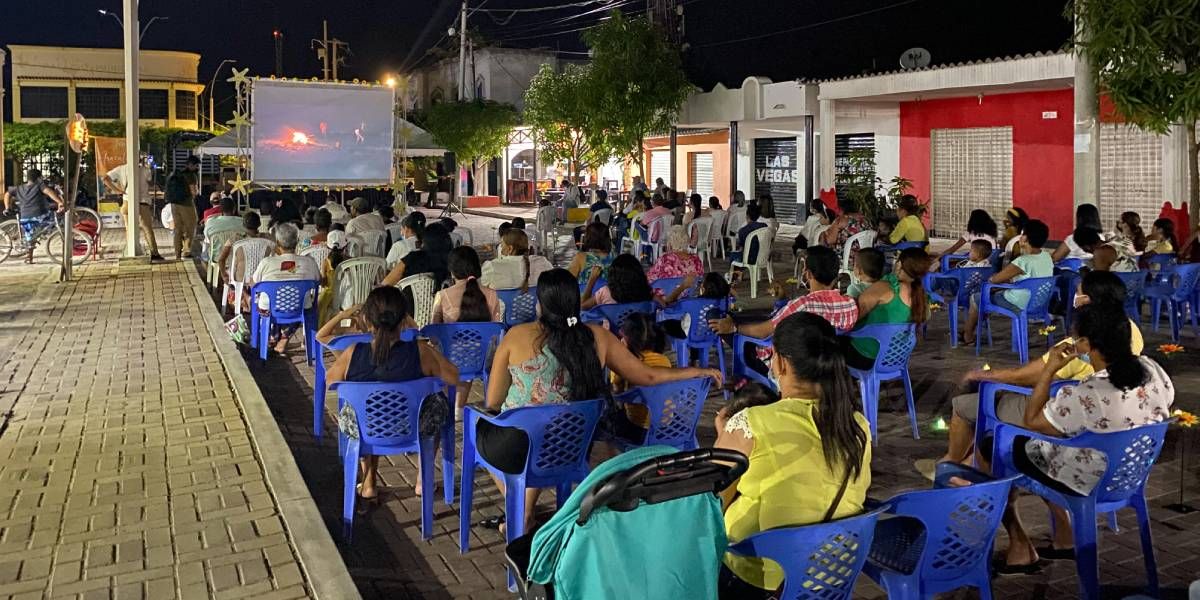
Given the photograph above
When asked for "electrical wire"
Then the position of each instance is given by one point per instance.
(563, 32)
(579, 4)
(529, 27)
(807, 26)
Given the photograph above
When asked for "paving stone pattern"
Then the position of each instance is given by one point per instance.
(126, 468)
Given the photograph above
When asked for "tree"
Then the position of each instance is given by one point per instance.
(1147, 60)
(474, 129)
(25, 142)
(644, 84)
(563, 112)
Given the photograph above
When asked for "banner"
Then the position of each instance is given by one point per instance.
(110, 153)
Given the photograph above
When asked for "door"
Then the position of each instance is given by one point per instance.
(700, 173)
(972, 168)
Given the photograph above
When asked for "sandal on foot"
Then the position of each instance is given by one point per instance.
(491, 522)
(1052, 553)
(1003, 569)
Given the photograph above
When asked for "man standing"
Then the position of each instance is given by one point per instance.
(33, 199)
(182, 188)
(119, 179)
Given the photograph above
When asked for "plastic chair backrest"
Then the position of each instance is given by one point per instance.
(666, 285)
(285, 298)
(603, 215)
(421, 286)
(763, 236)
(970, 281)
(822, 560)
(319, 253)
(1069, 264)
(1189, 277)
(896, 343)
(655, 229)
(466, 345)
(700, 311)
(699, 230)
(395, 230)
(387, 412)
(1130, 455)
(373, 242)
(960, 525)
(616, 314)
(862, 239)
(217, 241)
(1040, 291)
(1135, 284)
(734, 221)
(674, 411)
(253, 251)
(519, 307)
(356, 277)
(560, 436)
(718, 223)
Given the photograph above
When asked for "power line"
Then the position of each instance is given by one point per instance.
(534, 26)
(580, 4)
(565, 31)
(808, 26)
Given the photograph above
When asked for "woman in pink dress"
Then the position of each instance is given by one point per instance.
(676, 261)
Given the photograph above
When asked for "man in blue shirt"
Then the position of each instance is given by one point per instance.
(753, 212)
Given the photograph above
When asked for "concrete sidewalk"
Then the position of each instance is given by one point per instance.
(129, 465)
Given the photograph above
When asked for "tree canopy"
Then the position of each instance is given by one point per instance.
(562, 110)
(472, 129)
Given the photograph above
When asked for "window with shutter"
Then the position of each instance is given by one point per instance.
(660, 166)
(972, 168)
(700, 173)
(1130, 174)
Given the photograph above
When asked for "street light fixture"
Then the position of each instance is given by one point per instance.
(121, 23)
(391, 81)
(212, 125)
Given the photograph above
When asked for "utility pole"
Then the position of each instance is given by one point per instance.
(278, 53)
(322, 48)
(2, 182)
(327, 52)
(462, 52)
(132, 150)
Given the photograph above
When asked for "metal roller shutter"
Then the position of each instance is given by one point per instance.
(700, 173)
(1130, 174)
(660, 167)
(972, 168)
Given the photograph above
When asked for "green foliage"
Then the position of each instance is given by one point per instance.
(564, 114)
(25, 141)
(643, 84)
(473, 130)
(873, 196)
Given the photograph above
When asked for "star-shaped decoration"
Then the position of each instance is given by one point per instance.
(239, 119)
(239, 77)
(240, 185)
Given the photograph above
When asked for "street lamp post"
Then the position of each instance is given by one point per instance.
(132, 149)
(212, 124)
(121, 23)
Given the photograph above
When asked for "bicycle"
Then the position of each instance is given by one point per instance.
(13, 240)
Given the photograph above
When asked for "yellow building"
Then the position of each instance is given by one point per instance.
(50, 83)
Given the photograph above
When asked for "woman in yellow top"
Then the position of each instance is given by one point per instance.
(1162, 237)
(336, 241)
(810, 453)
(910, 228)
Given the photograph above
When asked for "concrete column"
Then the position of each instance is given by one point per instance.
(674, 154)
(733, 160)
(828, 127)
(1087, 132)
(3, 183)
(132, 149)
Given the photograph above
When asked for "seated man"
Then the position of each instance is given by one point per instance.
(753, 213)
(822, 299)
(284, 265)
(226, 221)
(361, 217)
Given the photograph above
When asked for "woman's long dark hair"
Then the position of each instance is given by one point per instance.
(436, 242)
(1168, 231)
(1133, 221)
(1107, 330)
(384, 310)
(596, 238)
(519, 242)
(915, 262)
(697, 202)
(766, 205)
(642, 333)
(809, 344)
(1104, 288)
(1088, 216)
(464, 265)
(567, 337)
(981, 223)
(627, 280)
(714, 286)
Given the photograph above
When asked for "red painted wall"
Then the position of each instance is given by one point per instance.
(1043, 167)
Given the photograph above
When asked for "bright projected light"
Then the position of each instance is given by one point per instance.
(321, 133)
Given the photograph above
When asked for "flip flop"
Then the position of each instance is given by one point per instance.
(491, 522)
(1052, 553)
(1003, 569)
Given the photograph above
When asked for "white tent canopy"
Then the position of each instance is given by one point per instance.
(420, 142)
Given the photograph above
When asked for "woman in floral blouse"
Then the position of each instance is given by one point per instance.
(850, 222)
(676, 261)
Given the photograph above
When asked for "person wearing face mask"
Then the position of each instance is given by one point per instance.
(1097, 288)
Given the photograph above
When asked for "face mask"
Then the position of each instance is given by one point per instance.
(1086, 358)
(774, 380)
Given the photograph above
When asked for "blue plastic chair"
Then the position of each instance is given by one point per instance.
(387, 418)
(1040, 291)
(699, 336)
(1160, 266)
(518, 307)
(986, 419)
(467, 346)
(1070, 264)
(666, 285)
(1130, 455)
(1135, 286)
(674, 412)
(954, 289)
(948, 260)
(286, 300)
(616, 314)
(601, 282)
(896, 343)
(739, 358)
(337, 344)
(560, 439)
(1176, 296)
(941, 540)
(820, 561)
(1065, 284)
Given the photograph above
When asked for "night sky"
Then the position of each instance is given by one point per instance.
(830, 37)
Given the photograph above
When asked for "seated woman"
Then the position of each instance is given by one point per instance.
(676, 261)
(323, 221)
(336, 242)
(465, 302)
(555, 360)
(432, 258)
(514, 266)
(980, 226)
(897, 298)
(810, 453)
(1087, 216)
(595, 250)
(250, 224)
(909, 228)
(627, 282)
(1014, 222)
(1162, 237)
(388, 358)
(412, 229)
(1032, 263)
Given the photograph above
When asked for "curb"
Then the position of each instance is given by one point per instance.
(326, 573)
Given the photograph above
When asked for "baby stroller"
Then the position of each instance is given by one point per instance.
(645, 524)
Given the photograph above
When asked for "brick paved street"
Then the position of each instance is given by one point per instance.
(127, 469)
(389, 560)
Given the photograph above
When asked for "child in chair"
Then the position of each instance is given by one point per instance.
(868, 268)
(981, 255)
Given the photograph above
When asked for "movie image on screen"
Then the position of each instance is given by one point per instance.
(321, 133)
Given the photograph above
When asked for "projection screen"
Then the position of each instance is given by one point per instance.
(321, 133)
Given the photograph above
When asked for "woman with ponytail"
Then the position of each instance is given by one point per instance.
(514, 267)
(386, 358)
(555, 360)
(467, 300)
(899, 297)
(810, 452)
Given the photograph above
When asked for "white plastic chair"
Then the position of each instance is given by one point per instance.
(716, 233)
(700, 230)
(603, 216)
(733, 222)
(356, 277)
(862, 239)
(216, 242)
(654, 231)
(762, 261)
(422, 288)
(319, 253)
(354, 246)
(253, 251)
(396, 231)
(373, 243)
